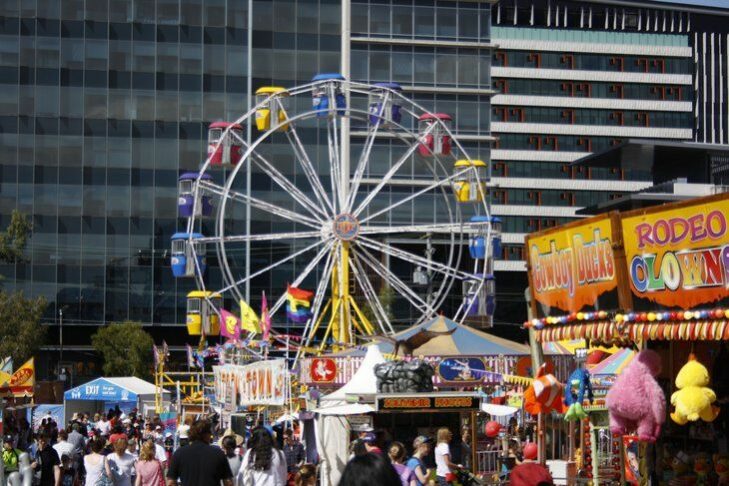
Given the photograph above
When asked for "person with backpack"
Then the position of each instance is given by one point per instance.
(421, 448)
(397, 456)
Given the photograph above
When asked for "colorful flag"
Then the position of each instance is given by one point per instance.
(165, 351)
(155, 352)
(231, 325)
(190, 357)
(265, 318)
(248, 319)
(298, 304)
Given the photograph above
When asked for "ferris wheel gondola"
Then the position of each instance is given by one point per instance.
(346, 216)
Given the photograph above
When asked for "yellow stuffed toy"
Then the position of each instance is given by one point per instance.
(693, 400)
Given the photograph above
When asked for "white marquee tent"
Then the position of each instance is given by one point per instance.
(332, 427)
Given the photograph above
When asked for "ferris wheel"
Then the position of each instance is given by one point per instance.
(350, 180)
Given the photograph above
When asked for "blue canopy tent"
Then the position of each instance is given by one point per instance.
(104, 393)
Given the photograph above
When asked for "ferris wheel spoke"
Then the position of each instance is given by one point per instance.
(364, 158)
(290, 235)
(260, 204)
(311, 174)
(279, 263)
(425, 190)
(390, 173)
(379, 312)
(283, 182)
(396, 283)
(334, 161)
(446, 228)
(304, 273)
(413, 258)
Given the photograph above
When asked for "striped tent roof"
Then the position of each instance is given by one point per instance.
(464, 341)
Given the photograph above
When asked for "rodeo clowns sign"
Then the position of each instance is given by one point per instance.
(678, 257)
(573, 268)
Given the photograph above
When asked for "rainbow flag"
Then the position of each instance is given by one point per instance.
(298, 304)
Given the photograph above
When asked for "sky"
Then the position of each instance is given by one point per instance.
(707, 3)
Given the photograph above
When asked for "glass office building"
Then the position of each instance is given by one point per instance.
(104, 104)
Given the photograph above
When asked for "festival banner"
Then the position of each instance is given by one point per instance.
(573, 267)
(259, 383)
(22, 382)
(677, 255)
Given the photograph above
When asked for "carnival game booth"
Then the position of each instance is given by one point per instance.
(103, 393)
(653, 279)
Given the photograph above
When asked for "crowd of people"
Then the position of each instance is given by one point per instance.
(117, 449)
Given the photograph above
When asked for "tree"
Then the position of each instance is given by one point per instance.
(126, 349)
(21, 333)
(15, 237)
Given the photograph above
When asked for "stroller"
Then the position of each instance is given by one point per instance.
(463, 477)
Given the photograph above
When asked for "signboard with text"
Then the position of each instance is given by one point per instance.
(428, 403)
(259, 383)
(677, 255)
(573, 267)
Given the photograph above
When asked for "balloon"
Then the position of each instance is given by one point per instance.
(492, 429)
(530, 451)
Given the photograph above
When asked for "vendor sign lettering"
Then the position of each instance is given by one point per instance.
(428, 403)
(260, 383)
(571, 268)
(678, 257)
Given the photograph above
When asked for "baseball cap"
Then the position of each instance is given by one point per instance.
(420, 440)
(369, 437)
(8, 439)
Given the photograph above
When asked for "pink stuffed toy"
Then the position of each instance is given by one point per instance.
(636, 401)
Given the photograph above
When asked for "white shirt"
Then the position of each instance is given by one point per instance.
(104, 427)
(441, 468)
(122, 468)
(159, 453)
(64, 447)
(274, 476)
(93, 471)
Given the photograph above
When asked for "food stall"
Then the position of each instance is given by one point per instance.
(657, 279)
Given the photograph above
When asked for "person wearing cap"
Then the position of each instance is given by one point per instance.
(370, 443)
(10, 455)
(293, 451)
(229, 443)
(421, 448)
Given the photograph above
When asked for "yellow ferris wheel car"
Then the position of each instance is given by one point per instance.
(273, 110)
(202, 315)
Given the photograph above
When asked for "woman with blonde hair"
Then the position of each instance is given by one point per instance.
(443, 463)
(397, 457)
(149, 469)
(120, 464)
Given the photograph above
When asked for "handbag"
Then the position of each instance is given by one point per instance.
(104, 479)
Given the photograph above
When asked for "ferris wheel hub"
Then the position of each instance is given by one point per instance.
(345, 227)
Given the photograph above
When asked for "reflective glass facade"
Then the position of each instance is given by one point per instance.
(104, 104)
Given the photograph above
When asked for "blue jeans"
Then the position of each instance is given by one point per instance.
(442, 481)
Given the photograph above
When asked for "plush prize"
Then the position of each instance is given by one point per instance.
(693, 400)
(721, 468)
(544, 394)
(636, 402)
(702, 468)
(574, 394)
